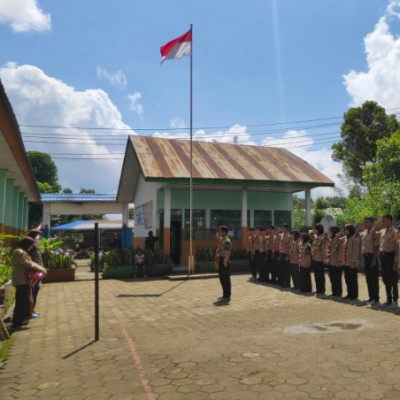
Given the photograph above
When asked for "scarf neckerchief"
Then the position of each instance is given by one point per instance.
(267, 240)
(328, 252)
(216, 262)
(281, 244)
(317, 244)
(302, 251)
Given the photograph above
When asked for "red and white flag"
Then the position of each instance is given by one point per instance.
(177, 48)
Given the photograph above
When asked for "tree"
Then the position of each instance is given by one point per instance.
(362, 128)
(67, 190)
(44, 170)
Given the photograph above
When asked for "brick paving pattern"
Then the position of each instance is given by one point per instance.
(167, 340)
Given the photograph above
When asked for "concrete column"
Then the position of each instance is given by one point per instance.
(21, 210)
(167, 219)
(9, 207)
(308, 207)
(125, 213)
(244, 217)
(16, 207)
(26, 213)
(46, 214)
(3, 175)
(126, 237)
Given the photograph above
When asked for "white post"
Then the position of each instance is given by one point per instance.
(167, 207)
(125, 214)
(244, 208)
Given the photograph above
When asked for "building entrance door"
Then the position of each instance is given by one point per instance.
(175, 244)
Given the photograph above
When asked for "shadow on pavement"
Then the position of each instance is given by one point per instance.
(78, 350)
(153, 294)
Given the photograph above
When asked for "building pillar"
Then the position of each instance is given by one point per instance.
(46, 214)
(21, 211)
(308, 207)
(244, 217)
(26, 212)
(3, 175)
(16, 208)
(167, 219)
(127, 236)
(9, 207)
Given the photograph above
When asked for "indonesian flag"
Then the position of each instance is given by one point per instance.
(177, 48)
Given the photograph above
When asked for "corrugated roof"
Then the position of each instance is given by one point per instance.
(166, 159)
(77, 197)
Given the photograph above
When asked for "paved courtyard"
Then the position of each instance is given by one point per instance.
(167, 340)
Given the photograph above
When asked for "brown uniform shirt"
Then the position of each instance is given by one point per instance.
(336, 251)
(305, 258)
(369, 241)
(284, 243)
(352, 252)
(386, 243)
(294, 251)
(319, 248)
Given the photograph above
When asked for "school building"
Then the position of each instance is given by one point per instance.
(240, 186)
(18, 186)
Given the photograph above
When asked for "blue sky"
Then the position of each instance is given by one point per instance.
(256, 64)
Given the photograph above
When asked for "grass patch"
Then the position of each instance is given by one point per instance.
(5, 348)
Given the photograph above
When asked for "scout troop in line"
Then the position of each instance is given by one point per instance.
(280, 257)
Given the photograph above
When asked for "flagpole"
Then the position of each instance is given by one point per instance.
(191, 259)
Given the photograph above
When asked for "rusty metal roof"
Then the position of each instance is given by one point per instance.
(230, 165)
(167, 159)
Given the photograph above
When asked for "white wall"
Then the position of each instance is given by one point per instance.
(145, 192)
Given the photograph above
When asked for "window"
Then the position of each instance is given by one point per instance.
(199, 224)
(283, 217)
(176, 214)
(262, 218)
(230, 218)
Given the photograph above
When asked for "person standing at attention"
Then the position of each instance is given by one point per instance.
(386, 233)
(224, 254)
(370, 250)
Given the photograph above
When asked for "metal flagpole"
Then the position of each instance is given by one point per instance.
(191, 259)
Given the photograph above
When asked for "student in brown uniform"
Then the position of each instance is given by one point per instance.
(369, 251)
(275, 255)
(386, 232)
(333, 259)
(284, 255)
(224, 254)
(262, 262)
(305, 263)
(251, 252)
(294, 258)
(318, 251)
(269, 255)
(350, 259)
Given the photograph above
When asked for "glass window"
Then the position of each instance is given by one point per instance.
(199, 224)
(262, 218)
(230, 218)
(283, 217)
(176, 214)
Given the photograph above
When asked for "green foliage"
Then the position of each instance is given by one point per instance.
(47, 248)
(44, 169)
(354, 211)
(317, 215)
(59, 261)
(362, 128)
(5, 258)
(116, 257)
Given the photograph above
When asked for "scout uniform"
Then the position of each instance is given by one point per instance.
(275, 254)
(284, 259)
(334, 260)
(251, 252)
(294, 262)
(369, 248)
(386, 256)
(304, 263)
(318, 251)
(350, 257)
(224, 272)
(262, 264)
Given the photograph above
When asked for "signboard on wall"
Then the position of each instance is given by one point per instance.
(144, 215)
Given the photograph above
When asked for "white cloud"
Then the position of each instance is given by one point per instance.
(38, 99)
(24, 16)
(236, 133)
(381, 81)
(135, 105)
(117, 79)
(178, 123)
(299, 143)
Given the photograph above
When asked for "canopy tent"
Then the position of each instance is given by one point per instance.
(88, 225)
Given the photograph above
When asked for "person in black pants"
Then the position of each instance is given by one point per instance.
(305, 263)
(369, 250)
(318, 252)
(386, 256)
(351, 261)
(224, 254)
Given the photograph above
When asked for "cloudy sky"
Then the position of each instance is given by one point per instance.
(83, 75)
